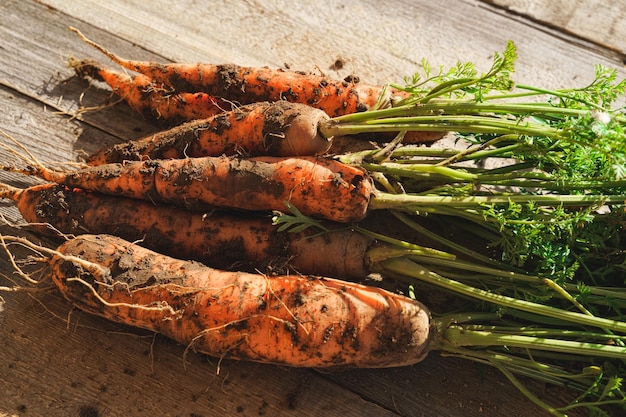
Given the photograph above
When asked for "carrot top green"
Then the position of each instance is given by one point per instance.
(530, 201)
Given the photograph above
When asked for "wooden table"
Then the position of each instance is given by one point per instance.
(58, 362)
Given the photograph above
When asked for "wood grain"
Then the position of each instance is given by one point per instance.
(600, 22)
(87, 366)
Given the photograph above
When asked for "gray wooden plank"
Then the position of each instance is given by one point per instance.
(598, 21)
(33, 63)
(446, 387)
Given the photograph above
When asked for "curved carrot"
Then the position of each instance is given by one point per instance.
(151, 100)
(221, 240)
(279, 129)
(316, 186)
(249, 85)
(287, 320)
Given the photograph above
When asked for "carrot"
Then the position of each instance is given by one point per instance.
(153, 101)
(288, 320)
(164, 105)
(279, 129)
(221, 240)
(248, 85)
(316, 186)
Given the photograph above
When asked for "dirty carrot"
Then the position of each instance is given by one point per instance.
(153, 101)
(221, 240)
(249, 85)
(278, 129)
(300, 321)
(316, 186)
(241, 85)
(288, 320)
(162, 104)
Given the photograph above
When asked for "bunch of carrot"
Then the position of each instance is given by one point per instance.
(248, 182)
(206, 190)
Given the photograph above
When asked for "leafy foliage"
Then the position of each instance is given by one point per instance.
(531, 200)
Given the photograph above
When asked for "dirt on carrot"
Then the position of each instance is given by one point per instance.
(152, 100)
(288, 320)
(249, 85)
(318, 187)
(230, 241)
(276, 129)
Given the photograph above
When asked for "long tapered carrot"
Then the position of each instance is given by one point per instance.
(318, 187)
(278, 129)
(150, 99)
(168, 107)
(288, 320)
(221, 240)
(248, 85)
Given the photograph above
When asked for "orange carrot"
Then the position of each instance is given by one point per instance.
(287, 320)
(221, 240)
(279, 129)
(153, 101)
(249, 85)
(316, 186)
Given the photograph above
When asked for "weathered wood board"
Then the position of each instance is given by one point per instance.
(599, 22)
(58, 362)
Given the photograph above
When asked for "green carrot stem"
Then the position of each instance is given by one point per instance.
(527, 393)
(461, 107)
(459, 336)
(406, 267)
(556, 93)
(419, 170)
(540, 332)
(540, 371)
(399, 248)
(501, 274)
(463, 124)
(596, 295)
(498, 176)
(468, 108)
(589, 404)
(411, 202)
(429, 152)
(563, 293)
(459, 248)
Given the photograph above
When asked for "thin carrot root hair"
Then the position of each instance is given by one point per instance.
(25, 155)
(102, 49)
(8, 191)
(44, 254)
(33, 165)
(29, 284)
(75, 63)
(156, 306)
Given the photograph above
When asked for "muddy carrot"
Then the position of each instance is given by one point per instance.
(249, 85)
(150, 99)
(318, 187)
(161, 103)
(221, 240)
(288, 320)
(277, 129)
